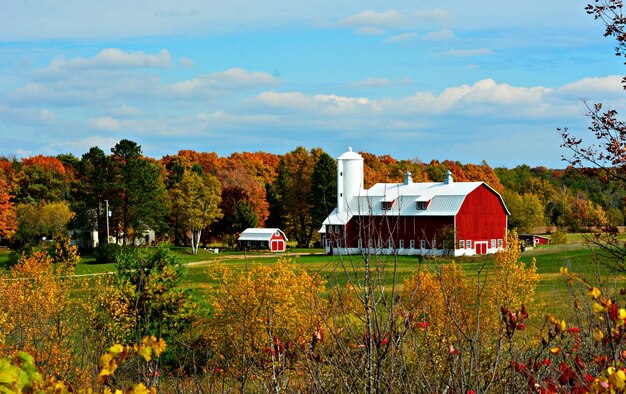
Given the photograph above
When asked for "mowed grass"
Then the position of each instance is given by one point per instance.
(552, 291)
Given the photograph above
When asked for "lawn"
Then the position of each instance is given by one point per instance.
(551, 291)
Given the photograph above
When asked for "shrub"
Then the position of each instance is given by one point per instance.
(559, 237)
(108, 253)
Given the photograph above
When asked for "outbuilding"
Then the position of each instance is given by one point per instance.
(272, 239)
(532, 240)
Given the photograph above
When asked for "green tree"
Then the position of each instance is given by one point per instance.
(293, 189)
(527, 211)
(323, 188)
(194, 203)
(93, 175)
(150, 280)
(139, 190)
(243, 217)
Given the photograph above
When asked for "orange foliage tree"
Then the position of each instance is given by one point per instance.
(37, 312)
(264, 322)
(8, 216)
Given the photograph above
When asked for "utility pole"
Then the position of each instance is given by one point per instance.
(106, 203)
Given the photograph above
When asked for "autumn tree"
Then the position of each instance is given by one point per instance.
(194, 203)
(37, 220)
(37, 314)
(263, 324)
(42, 178)
(8, 217)
(238, 186)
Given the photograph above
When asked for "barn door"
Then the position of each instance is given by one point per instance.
(481, 247)
(278, 246)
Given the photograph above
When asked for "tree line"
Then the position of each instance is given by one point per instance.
(198, 197)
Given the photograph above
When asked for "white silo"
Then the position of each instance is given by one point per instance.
(349, 178)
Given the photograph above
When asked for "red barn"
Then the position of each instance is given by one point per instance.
(436, 218)
(263, 238)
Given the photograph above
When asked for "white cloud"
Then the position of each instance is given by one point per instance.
(610, 85)
(394, 19)
(293, 100)
(332, 98)
(374, 82)
(217, 83)
(434, 14)
(471, 52)
(112, 58)
(400, 37)
(104, 143)
(23, 152)
(47, 115)
(439, 35)
(124, 111)
(370, 31)
(371, 83)
(371, 18)
(243, 78)
(104, 123)
(186, 62)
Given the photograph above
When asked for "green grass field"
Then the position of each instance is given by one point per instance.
(552, 291)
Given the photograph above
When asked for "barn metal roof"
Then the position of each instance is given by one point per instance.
(445, 199)
(260, 234)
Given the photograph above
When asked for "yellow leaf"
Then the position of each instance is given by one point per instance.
(598, 308)
(555, 350)
(563, 325)
(594, 292)
(116, 349)
(145, 352)
(597, 334)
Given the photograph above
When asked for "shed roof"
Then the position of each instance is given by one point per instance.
(260, 234)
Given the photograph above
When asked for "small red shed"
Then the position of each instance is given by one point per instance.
(533, 239)
(263, 238)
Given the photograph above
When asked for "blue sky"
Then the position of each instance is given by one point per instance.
(466, 81)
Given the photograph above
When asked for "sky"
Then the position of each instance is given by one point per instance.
(461, 80)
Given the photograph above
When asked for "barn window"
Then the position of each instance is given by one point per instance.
(412, 244)
(391, 244)
(385, 205)
(493, 243)
(461, 244)
(423, 244)
(328, 243)
(339, 243)
(499, 243)
(421, 205)
(359, 243)
(401, 244)
(380, 243)
(434, 244)
(370, 243)
(469, 244)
